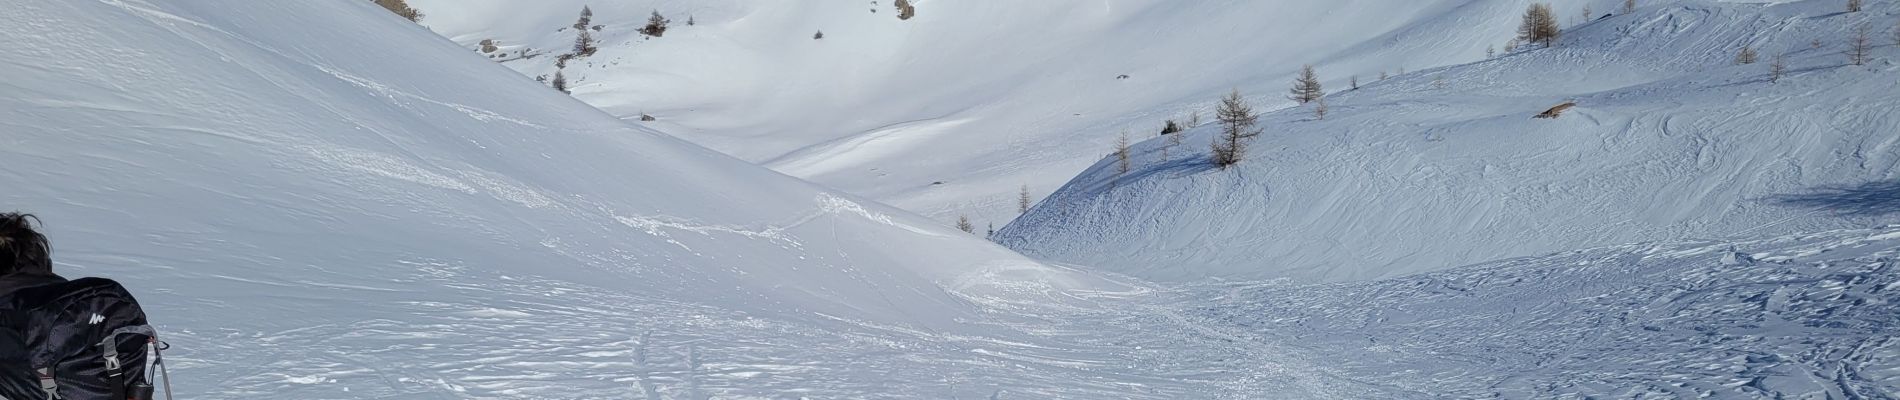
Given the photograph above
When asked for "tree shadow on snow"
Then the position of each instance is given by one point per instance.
(1864, 200)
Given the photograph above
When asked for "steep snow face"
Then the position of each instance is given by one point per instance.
(1446, 167)
(323, 188)
(952, 111)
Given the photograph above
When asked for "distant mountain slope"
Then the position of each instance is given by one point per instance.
(952, 111)
(1446, 167)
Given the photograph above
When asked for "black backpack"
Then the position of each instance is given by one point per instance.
(80, 340)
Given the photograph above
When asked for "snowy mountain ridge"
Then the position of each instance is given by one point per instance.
(949, 113)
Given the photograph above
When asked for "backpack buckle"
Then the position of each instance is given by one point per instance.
(47, 383)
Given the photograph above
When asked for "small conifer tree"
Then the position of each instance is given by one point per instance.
(1022, 200)
(1306, 87)
(1121, 154)
(1237, 129)
(656, 25)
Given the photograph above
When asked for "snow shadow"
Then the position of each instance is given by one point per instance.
(1863, 200)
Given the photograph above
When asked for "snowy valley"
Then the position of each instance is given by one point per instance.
(325, 200)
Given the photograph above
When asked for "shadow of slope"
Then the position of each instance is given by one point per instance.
(1863, 200)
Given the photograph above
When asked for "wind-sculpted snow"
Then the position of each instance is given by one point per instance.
(1808, 316)
(1445, 167)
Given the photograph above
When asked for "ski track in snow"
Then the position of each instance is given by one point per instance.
(1804, 316)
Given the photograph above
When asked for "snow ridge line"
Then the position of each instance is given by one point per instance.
(473, 112)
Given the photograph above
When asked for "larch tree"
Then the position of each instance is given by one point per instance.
(1355, 82)
(963, 223)
(1896, 34)
(1746, 56)
(1629, 7)
(1860, 47)
(560, 81)
(1320, 109)
(1777, 67)
(1306, 87)
(1022, 200)
(1539, 25)
(1238, 127)
(1122, 154)
(1853, 5)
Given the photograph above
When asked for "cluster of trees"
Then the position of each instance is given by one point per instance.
(401, 8)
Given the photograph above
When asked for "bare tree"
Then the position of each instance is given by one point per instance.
(1306, 87)
(1490, 52)
(1896, 34)
(1587, 14)
(1861, 45)
(1355, 82)
(656, 25)
(1320, 109)
(401, 8)
(1777, 67)
(560, 81)
(1539, 25)
(1237, 129)
(1121, 153)
(1194, 118)
(963, 223)
(1746, 56)
(1022, 200)
(1853, 5)
(1629, 6)
(1169, 145)
(1510, 46)
(1383, 75)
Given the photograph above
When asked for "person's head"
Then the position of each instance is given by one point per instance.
(22, 249)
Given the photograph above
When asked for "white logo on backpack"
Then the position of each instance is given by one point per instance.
(96, 319)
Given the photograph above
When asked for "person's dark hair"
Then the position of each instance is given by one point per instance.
(22, 249)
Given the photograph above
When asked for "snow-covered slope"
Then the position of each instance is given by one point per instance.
(1445, 167)
(320, 200)
(1807, 316)
(952, 111)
